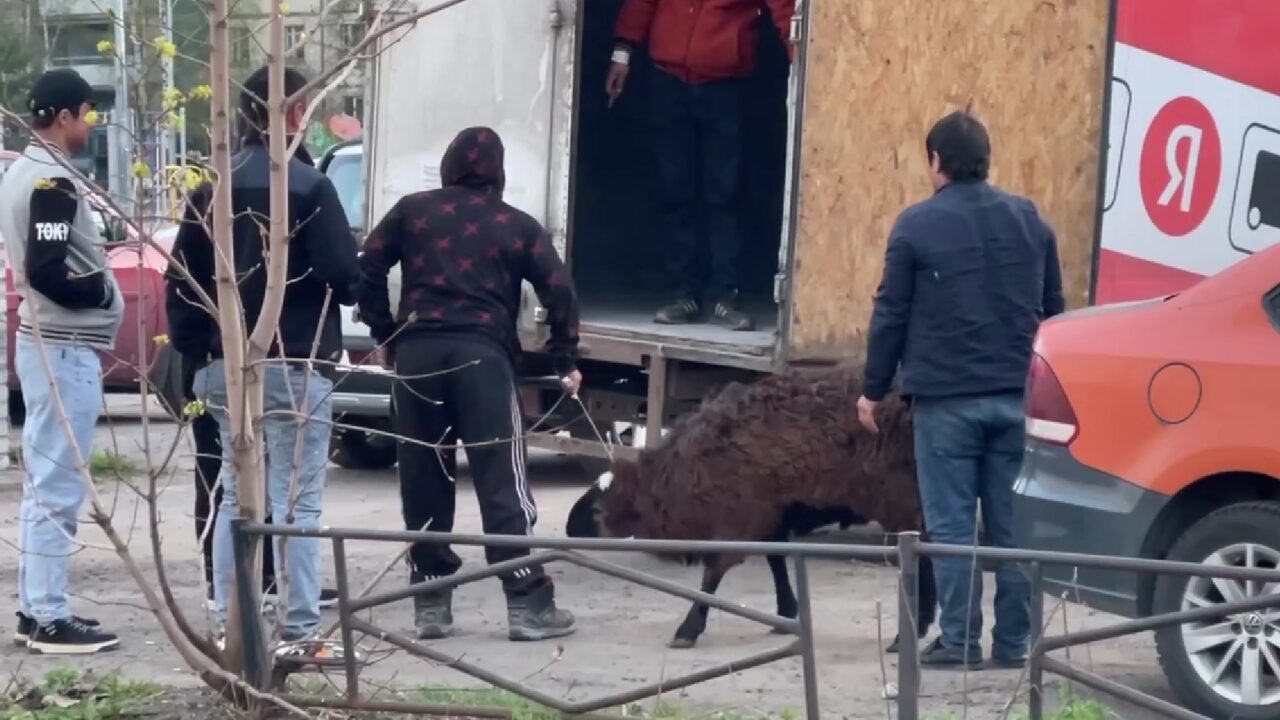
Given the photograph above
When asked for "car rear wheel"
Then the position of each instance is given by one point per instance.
(356, 450)
(1228, 667)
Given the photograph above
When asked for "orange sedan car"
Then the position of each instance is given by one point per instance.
(1153, 430)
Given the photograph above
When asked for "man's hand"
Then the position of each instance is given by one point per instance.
(616, 81)
(867, 413)
(572, 383)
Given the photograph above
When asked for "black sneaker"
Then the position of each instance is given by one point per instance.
(680, 312)
(534, 616)
(70, 637)
(938, 655)
(1007, 659)
(27, 625)
(726, 313)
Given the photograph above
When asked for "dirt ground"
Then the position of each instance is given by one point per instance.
(623, 628)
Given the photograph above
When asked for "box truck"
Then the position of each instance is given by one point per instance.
(834, 150)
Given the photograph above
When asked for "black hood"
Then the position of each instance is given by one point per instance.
(474, 160)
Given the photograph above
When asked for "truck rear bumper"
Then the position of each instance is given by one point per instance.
(362, 390)
(1063, 505)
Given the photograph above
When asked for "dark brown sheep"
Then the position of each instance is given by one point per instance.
(762, 462)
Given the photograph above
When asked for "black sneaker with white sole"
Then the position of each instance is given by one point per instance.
(27, 625)
(726, 313)
(70, 637)
(680, 312)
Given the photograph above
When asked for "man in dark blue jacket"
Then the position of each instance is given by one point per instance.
(298, 382)
(969, 275)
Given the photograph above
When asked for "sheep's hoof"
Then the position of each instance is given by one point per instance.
(680, 643)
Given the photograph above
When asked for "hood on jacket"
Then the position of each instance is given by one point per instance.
(474, 160)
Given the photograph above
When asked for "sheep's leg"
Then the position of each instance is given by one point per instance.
(714, 568)
(928, 609)
(788, 606)
(926, 603)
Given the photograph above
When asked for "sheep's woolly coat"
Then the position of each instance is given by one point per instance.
(730, 469)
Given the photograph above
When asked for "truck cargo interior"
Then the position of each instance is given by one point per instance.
(616, 244)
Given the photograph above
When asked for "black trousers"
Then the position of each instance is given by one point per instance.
(204, 430)
(452, 388)
(698, 148)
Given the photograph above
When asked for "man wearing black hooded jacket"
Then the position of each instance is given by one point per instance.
(463, 253)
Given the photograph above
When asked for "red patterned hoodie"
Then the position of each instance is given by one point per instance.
(463, 253)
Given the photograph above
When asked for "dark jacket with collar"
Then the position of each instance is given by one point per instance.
(969, 275)
(322, 258)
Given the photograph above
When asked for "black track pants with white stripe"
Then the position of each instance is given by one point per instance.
(451, 388)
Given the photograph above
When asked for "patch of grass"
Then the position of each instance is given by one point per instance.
(1071, 709)
(1080, 709)
(104, 464)
(521, 708)
(65, 694)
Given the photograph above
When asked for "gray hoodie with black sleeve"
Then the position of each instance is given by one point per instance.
(59, 264)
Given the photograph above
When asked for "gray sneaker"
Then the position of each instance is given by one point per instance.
(534, 616)
(527, 624)
(433, 615)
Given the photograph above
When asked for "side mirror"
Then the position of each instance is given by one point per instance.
(113, 231)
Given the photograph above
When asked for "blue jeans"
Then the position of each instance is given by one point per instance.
(283, 392)
(969, 449)
(54, 489)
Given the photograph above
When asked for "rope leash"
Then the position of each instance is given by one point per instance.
(608, 444)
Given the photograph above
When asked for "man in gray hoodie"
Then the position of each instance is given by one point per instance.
(71, 308)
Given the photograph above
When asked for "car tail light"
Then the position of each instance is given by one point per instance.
(1050, 417)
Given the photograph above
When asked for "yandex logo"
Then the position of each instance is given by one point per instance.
(1181, 166)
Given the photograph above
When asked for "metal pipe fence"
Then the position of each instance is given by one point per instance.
(908, 552)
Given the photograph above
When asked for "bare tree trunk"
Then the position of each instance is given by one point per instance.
(278, 238)
(246, 444)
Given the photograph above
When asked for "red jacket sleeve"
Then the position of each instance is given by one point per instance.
(781, 11)
(635, 18)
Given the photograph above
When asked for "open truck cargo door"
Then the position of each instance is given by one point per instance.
(479, 63)
(619, 244)
(879, 75)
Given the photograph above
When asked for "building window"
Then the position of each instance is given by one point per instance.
(352, 34)
(294, 37)
(242, 46)
(353, 105)
(77, 44)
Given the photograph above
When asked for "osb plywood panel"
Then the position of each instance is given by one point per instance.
(880, 74)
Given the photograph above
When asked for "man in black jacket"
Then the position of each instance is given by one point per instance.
(969, 275)
(322, 272)
(465, 252)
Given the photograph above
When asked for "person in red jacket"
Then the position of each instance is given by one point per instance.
(703, 50)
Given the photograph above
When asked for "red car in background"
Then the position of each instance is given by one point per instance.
(136, 351)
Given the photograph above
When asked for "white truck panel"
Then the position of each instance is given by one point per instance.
(483, 62)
